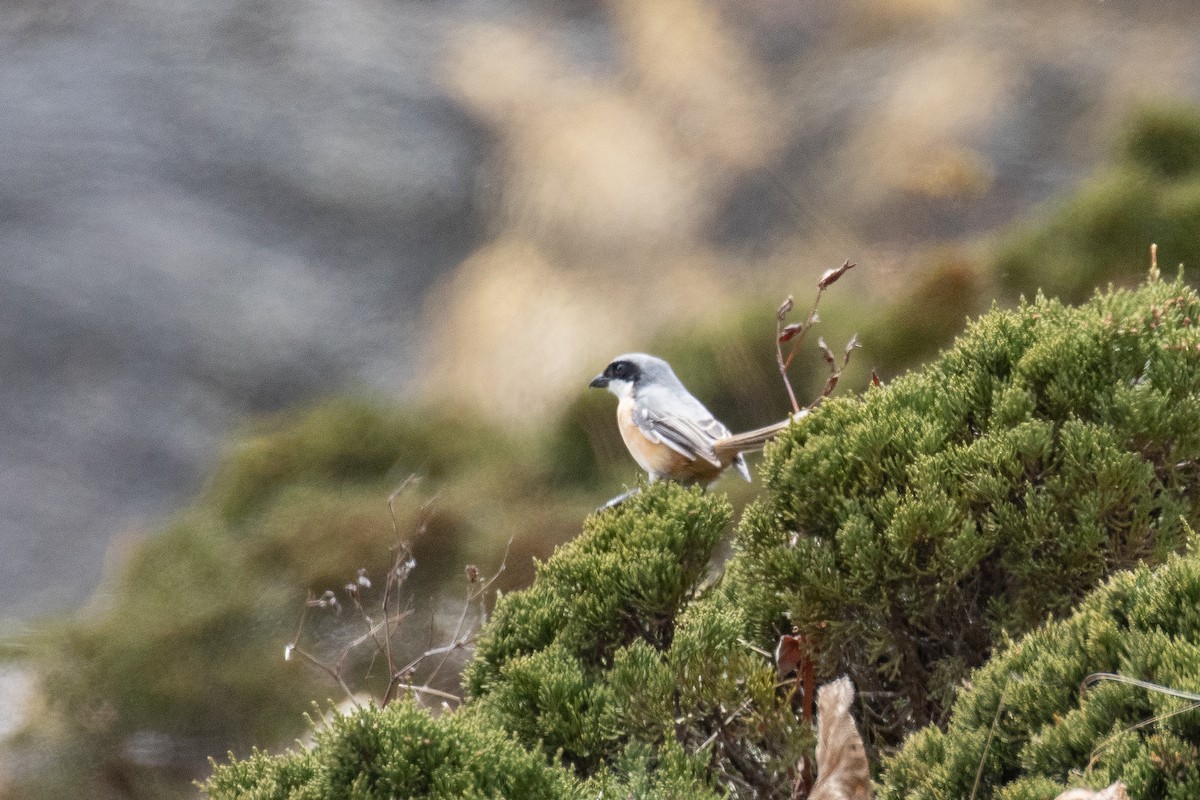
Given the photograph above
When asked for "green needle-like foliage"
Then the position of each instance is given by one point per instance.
(907, 530)
(400, 751)
(608, 665)
(540, 665)
(1142, 624)
(905, 533)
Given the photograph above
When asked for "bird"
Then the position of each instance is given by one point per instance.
(669, 433)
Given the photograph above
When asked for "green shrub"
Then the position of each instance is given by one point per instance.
(907, 530)
(714, 697)
(1142, 624)
(402, 752)
(397, 752)
(927, 314)
(346, 442)
(540, 663)
(667, 773)
(171, 653)
(1165, 140)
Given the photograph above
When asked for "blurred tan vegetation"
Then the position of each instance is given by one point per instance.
(602, 189)
(606, 186)
(882, 130)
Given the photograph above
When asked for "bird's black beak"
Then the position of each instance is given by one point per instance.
(599, 382)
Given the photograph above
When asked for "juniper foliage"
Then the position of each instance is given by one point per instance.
(400, 751)
(1047, 737)
(608, 668)
(604, 654)
(908, 530)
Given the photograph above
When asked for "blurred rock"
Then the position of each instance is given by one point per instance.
(205, 210)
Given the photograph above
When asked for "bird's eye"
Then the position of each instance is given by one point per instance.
(620, 370)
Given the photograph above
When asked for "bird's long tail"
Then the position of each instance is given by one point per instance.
(753, 440)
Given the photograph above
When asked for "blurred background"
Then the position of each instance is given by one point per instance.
(263, 260)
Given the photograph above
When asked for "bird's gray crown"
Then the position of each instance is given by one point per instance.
(643, 369)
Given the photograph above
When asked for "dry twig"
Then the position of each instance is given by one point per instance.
(795, 333)
(380, 634)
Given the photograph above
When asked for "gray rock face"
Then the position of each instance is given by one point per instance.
(205, 209)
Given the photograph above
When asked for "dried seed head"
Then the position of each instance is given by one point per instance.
(826, 353)
(831, 275)
(784, 309)
(790, 332)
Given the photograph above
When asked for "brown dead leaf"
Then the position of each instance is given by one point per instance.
(788, 654)
(784, 309)
(830, 385)
(842, 769)
(850, 346)
(826, 353)
(1114, 792)
(790, 331)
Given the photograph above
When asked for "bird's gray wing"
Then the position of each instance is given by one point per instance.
(691, 438)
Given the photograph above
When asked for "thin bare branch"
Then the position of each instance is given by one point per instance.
(380, 631)
(737, 712)
(429, 690)
(411, 480)
(458, 641)
(333, 673)
(1194, 703)
(779, 359)
(462, 619)
(1100, 748)
(300, 626)
(759, 650)
(401, 550)
(1097, 677)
